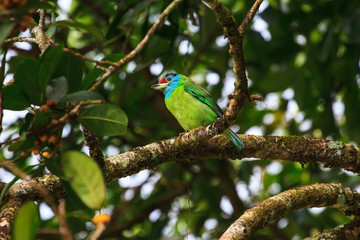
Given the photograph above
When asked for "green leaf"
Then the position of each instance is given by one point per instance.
(14, 99)
(40, 120)
(2, 67)
(20, 11)
(131, 14)
(49, 64)
(5, 28)
(85, 178)
(72, 68)
(6, 187)
(79, 96)
(27, 79)
(26, 222)
(57, 88)
(95, 72)
(81, 27)
(25, 125)
(16, 145)
(104, 119)
(54, 166)
(76, 204)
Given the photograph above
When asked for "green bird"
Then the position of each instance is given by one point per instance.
(191, 104)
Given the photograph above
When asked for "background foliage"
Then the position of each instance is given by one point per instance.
(301, 56)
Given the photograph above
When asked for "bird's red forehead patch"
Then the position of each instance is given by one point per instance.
(162, 80)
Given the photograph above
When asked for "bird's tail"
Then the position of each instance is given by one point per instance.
(234, 138)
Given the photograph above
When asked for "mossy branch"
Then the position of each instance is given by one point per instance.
(276, 207)
(190, 146)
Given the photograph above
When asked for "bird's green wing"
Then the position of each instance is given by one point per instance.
(203, 96)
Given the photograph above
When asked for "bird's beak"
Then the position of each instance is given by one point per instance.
(160, 86)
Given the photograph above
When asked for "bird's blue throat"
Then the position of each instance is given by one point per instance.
(173, 84)
(169, 89)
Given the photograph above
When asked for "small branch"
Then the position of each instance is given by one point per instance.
(255, 98)
(2, 77)
(249, 16)
(72, 113)
(350, 231)
(20, 39)
(42, 18)
(100, 228)
(94, 146)
(47, 231)
(64, 228)
(272, 209)
(85, 58)
(130, 56)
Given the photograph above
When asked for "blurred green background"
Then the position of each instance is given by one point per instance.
(301, 56)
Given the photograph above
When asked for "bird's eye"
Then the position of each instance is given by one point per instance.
(169, 79)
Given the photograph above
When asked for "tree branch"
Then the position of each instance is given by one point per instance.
(7, 217)
(20, 39)
(42, 41)
(272, 209)
(293, 148)
(187, 145)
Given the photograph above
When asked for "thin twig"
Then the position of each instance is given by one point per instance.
(20, 39)
(42, 18)
(100, 228)
(130, 56)
(79, 55)
(64, 228)
(2, 77)
(249, 16)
